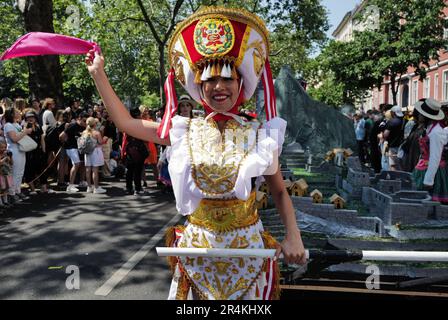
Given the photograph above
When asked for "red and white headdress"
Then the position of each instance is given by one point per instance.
(224, 42)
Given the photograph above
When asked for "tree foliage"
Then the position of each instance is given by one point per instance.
(13, 73)
(133, 35)
(406, 34)
(409, 33)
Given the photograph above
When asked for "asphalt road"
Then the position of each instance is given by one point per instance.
(106, 239)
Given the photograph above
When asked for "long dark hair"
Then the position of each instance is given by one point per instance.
(426, 121)
(10, 114)
(191, 110)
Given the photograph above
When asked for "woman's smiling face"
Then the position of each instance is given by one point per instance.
(220, 93)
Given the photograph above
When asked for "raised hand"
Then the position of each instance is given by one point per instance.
(95, 62)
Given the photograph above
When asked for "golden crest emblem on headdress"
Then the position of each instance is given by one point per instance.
(259, 56)
(214, 36)
(177, 64)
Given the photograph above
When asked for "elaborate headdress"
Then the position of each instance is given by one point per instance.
(224, 42)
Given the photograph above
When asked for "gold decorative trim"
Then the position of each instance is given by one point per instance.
(178, 66)
(170, 238)
(271, 243)
(213, 179)
(259, 56)
(186, 53)
(191, 284)
(220, 215)
(183, 286)
(243, 47)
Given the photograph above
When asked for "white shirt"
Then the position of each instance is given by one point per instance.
(12, 127)
(47, 119)
(112, 164)
(438, 138)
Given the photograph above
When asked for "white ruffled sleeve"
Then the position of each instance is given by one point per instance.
(179, 166)
(263, 160)
(276, 128)
(437, 139)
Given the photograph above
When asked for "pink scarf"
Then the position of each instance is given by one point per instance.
(42, 43)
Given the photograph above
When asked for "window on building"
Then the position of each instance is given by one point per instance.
(436, 87)
(445, 86)
(390, 100)
(414, 93)
(445, 34)
(426, 87)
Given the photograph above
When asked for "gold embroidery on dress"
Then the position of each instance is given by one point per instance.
(239, 243)
(216, 158)
(255, 238)
(222, 290)
(221, 267)
(195, 237)
(197, 276)
(183, 286)
(221, 215)
(189, 262)
(200, 244)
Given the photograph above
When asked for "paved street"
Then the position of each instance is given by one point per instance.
(109, 237)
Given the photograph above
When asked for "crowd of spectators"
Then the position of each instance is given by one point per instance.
(57, 162)
(412, 139)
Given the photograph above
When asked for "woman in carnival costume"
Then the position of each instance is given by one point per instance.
(216, 163)
(431, 172)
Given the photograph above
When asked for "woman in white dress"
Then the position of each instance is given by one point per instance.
(95, 159)
(217, 162)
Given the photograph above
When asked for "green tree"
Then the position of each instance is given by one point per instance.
(129, 50)
(329, 92)
(72, 17)
(341, 74)
(298, 29)
(133, 35)
(407, 33)
(13, 73)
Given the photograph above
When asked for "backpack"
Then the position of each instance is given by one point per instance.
(51, 138)
(86, 144)
(136, 150)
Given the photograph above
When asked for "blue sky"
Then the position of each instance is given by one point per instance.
(336, 11)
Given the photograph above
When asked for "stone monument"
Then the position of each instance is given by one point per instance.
(311, 124)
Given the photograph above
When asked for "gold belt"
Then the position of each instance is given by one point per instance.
(221, 215)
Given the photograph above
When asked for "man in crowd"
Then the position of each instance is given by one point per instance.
(360, 133)
(393, 134)
(69, 138)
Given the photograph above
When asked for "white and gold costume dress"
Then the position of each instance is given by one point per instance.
(213, 182)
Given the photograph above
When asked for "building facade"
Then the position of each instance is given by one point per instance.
(411, 88)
